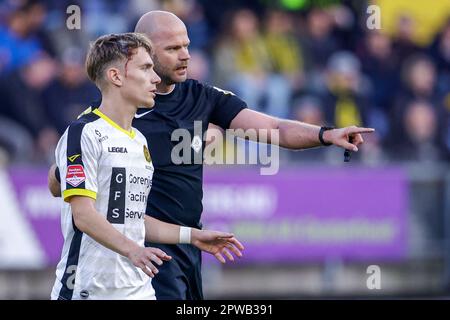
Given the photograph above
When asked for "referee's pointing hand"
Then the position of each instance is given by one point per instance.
(341, 137)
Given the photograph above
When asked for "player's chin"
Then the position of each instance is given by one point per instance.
(149, 103)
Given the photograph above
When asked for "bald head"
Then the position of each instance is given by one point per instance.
(170, 42)
(158, 24)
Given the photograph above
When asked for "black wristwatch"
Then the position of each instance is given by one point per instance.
(322, 130)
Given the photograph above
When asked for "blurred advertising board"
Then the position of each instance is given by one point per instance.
(300, 214)
(311, 214)
(40, 210)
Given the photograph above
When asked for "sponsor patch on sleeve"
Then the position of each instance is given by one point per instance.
(75, 175)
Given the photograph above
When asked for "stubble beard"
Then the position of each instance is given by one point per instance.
(164, 73)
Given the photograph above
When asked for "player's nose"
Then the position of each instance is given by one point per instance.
(155, 78)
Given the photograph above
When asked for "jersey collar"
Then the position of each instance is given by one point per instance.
(130, 133)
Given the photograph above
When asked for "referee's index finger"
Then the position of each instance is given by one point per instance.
(361, 130)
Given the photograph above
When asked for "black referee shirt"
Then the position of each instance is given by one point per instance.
(176, 193)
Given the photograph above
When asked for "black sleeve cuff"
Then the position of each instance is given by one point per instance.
(322, 130)
(57, 175)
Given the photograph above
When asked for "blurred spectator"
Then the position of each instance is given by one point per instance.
(318, 42)
(192, 15)
(421, 136)
(242, 64)
(404, 44)
(22, 102)
(71, 92)
(440, 51)
(419, 83)
(59, 36)
(309, 109)
(283, 48)
(216, 12)
(380, 65)
(344, 92)
(346, 28)
(18, 40)
(241, 49)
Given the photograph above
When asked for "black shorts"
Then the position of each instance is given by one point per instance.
(179, 278)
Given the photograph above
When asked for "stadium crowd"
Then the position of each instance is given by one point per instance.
(320, 64)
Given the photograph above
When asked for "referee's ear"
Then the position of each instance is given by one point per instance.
(54, 181)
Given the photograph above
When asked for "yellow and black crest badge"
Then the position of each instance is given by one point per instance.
(147, 154)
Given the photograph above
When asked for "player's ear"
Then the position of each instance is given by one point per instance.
(113, 75)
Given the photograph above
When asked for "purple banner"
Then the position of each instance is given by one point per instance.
(296, 215)
(310, 214)
(40, 209)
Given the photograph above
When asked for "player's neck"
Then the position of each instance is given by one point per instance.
(119, 111)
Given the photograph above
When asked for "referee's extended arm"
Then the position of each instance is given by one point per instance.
(296, 134)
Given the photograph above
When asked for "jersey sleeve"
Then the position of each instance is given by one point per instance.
(78, 162)
(226, 105)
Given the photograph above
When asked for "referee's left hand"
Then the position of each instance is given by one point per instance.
(217, 243)
(340, 137)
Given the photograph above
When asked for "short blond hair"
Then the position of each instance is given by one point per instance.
(111, 48)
